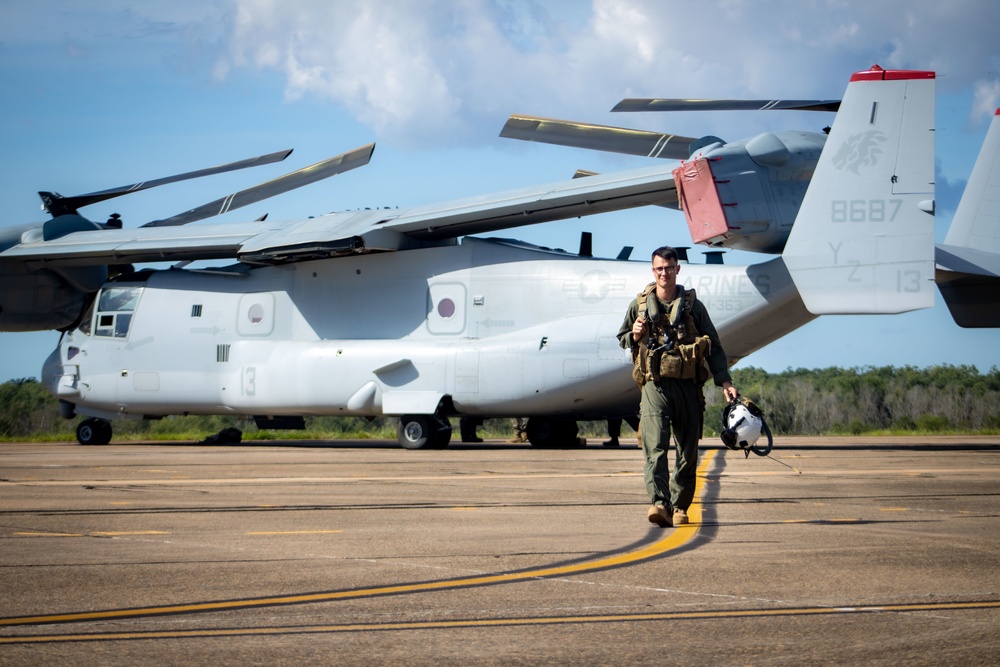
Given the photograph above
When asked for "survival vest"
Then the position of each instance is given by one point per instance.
(672, 347)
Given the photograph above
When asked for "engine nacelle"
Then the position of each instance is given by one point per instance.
(39, 299)
(745, 195)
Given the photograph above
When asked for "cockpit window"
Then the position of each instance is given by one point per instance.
(114, 310)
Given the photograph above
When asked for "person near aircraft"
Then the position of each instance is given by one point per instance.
(467, 426)
(615, 429)
(520, 430)
(672, 337)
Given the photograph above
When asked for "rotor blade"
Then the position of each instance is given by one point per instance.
(296, 179)
(641, 104)
(597, 137)
(58, 205)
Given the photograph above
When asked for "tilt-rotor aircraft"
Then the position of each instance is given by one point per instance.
(399, 312)
(746, 194)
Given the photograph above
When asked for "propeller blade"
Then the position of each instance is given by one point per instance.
(642, 104)
(58, 205)
(296, 179)
(597, 137)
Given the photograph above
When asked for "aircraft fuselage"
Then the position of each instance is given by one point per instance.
(496, 328)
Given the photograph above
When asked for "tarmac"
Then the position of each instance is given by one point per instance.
(829, 551)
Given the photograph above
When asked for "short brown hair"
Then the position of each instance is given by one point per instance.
(666, 253)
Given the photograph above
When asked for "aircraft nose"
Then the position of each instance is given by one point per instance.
(59, 377)
(52, 369)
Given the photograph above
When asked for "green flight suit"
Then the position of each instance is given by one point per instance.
(676, 404)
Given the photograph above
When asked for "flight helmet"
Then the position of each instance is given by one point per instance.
(744, 424)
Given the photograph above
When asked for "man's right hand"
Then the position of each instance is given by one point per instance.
(638, 327)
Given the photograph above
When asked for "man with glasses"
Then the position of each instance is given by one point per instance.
(672, 338)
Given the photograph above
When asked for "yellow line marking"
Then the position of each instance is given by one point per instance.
(893, 509)
(504, 622)
(676, 538)
(292, 532)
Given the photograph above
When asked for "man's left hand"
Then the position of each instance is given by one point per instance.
(729, 391)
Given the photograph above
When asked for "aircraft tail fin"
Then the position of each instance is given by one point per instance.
(977, 220)
(969, 259)
(863, 240)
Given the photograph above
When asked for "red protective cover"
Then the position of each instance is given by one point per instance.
(699, 199)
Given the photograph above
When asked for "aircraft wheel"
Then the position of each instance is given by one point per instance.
(418, 431)
(547, 432)
(93, 431)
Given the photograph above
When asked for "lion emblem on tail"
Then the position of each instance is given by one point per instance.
(861, 149)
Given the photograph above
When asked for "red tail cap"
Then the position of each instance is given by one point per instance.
(876, 73)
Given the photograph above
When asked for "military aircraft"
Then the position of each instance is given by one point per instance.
(400, 312)
(772, 171)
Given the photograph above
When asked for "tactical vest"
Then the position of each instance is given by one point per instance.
(672, 346)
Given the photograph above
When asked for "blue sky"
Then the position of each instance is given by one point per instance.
(108, 92)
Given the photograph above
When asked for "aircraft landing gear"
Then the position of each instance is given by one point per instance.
(547, 432)
(418, 431)
(94, 431)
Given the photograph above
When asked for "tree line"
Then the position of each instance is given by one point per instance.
(795, 402)
(870, 399)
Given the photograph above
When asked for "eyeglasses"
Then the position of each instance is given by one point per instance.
(665, 269)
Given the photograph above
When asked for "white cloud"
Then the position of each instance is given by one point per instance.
(987, 98)
(433, 71)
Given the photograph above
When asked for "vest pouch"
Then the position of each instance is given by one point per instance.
(638, 374)
(672, 365)
(684, 360)
(638, 366)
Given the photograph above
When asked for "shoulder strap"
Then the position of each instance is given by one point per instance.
(689, 296)
(642, 297)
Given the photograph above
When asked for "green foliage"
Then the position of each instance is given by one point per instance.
(26, 407)
(870, 399)
(796, 401)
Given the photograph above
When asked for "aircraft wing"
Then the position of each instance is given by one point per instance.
(557, 201)
(348, 232)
